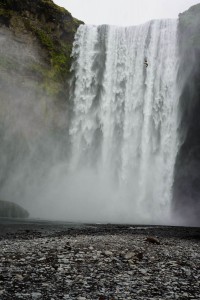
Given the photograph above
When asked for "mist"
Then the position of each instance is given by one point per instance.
(107, 163)
(60, 169)
(97, 157)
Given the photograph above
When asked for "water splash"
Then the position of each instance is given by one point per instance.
(124, 125)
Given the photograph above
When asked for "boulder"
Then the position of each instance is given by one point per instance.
(12, 210)
(152, 240)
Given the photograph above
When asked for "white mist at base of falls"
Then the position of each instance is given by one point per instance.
(122, 139)
(123, 128)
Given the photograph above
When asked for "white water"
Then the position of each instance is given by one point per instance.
(124, 125)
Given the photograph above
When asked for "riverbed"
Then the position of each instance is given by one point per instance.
(59, 260)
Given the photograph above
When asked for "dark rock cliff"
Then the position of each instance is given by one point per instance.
(36, 39)
(187, 171)
(50, 30)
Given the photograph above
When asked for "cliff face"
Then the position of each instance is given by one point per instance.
(187, 173)
(36, 39)
(48, 30)
(35, 45)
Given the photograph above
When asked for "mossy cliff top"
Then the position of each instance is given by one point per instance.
(52, 27)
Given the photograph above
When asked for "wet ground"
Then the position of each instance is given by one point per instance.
(59, 260)
(31, 228)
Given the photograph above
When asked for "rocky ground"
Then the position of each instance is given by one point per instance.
(98, 262)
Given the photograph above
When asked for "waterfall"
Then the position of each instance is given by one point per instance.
(123, 128)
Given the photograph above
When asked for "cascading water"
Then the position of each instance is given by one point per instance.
(124, 125)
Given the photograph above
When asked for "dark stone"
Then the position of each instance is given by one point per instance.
(152, 240)
(12, 210)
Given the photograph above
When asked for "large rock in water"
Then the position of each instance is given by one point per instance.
(12, 210)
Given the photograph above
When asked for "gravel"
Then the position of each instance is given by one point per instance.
(100, 262)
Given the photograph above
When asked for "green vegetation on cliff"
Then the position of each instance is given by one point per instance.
(53, 27)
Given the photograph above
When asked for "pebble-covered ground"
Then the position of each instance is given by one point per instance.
(99, 262)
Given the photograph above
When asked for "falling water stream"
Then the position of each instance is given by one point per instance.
(123, 128)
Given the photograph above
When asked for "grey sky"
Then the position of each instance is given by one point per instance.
(124, 12)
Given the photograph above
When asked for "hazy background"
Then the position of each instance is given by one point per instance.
(124, 12)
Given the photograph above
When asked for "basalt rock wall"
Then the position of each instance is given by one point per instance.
(187, 171)
(36, 39)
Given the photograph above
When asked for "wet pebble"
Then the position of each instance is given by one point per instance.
(99, 267)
